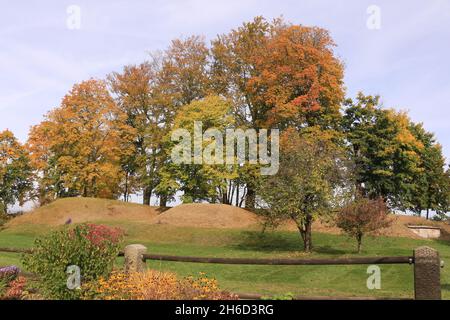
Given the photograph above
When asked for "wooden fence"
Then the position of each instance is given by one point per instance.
(425, 260)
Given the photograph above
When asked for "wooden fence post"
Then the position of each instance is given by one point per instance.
(134, 258)
(427, 274)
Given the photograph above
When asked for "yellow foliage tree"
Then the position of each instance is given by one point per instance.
(77, 150)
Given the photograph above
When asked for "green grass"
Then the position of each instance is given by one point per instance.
(397, 280)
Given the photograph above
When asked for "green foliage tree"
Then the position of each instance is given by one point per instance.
(310, 182)
(385, 151)
(432, 180)
(16, 174)
(199, 181)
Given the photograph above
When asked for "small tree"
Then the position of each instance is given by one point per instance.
(311, 178)
(363, 216)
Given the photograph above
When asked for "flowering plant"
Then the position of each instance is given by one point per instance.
(155, 285)
(91, 248)
(9, 273)
(8, 282)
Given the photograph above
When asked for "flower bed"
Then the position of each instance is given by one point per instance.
(155, 285)
(11, 284)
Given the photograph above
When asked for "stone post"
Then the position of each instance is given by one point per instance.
(134, 258)
(427, 274)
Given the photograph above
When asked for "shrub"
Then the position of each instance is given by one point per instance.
(154, 285)
(363, 216)
(93, 248)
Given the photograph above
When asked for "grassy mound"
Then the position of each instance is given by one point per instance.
(80, 210)
(202, 215)
(194, 215)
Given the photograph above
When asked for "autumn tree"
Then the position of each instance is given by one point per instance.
(184, 74)
(189, 170)
(363, 216)
(150, 95)
(278, 75)
(134, 90)
(15, 172)
(77, 149)
(310, 182)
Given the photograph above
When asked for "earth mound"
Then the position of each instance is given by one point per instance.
(80, 210)
(205, 215)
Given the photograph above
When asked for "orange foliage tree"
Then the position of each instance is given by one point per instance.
(78, 148)
(278, 75)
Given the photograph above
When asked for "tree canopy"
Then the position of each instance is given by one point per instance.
(113, 138)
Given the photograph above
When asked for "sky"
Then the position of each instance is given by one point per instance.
(397, 49)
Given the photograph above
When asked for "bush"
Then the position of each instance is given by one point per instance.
(362, 217)
(93, 248)
(155, 285)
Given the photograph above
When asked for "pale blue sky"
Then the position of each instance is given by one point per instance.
(407, 61)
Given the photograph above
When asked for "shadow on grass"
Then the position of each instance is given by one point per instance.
(266, 242)
(445, 287)
(330, 250)
(444, 238)
(278, 242)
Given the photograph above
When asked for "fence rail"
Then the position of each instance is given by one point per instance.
(16, 250)
(426, 261)
(283, 262)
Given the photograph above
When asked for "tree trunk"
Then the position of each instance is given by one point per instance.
(250, 198)
(3, 208)
(163, 201)
(147, 196)
(125, 194)
(428, 213)
(359, 240)
(306, 234)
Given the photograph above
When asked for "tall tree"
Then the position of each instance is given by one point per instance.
(201, 179)
(385, 151)
(431, 181)
(184, 71)
(278, 75)
(15, 171)
(134, 90)
(77, 150)
(150, 95)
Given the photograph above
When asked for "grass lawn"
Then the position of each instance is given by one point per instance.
(396, 280)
